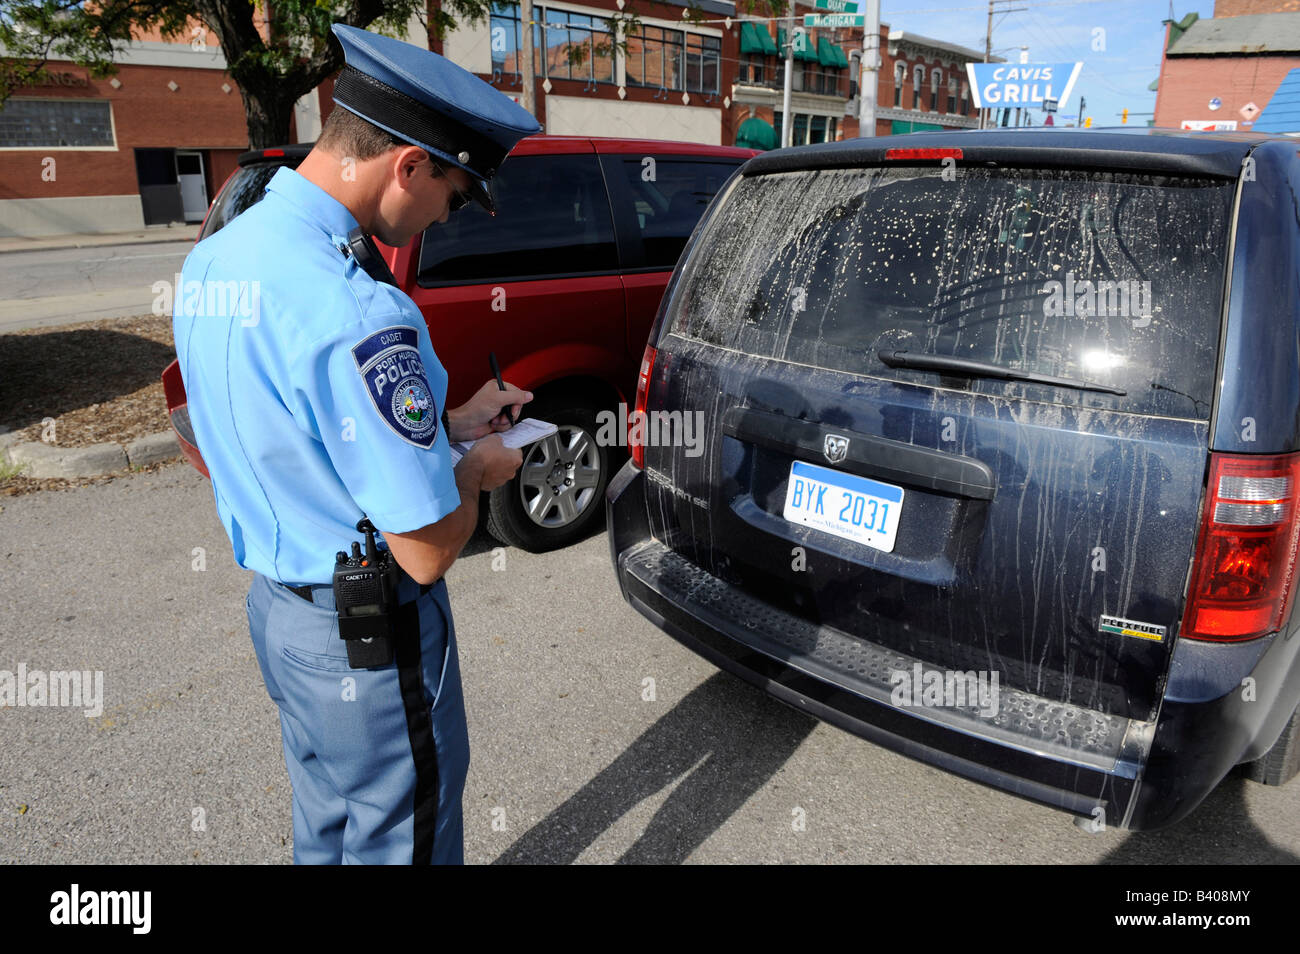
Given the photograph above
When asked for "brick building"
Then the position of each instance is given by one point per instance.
(921, 84)
(149, 145)
(154, 143)
(1220, 72)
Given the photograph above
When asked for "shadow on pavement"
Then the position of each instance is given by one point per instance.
(723, 742)
(49, 373)
(1219, 831)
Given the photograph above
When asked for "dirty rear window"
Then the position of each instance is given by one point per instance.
(1110, 278)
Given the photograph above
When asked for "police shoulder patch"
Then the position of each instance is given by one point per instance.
(390, 365)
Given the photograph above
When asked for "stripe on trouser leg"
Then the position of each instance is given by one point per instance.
(420, 729)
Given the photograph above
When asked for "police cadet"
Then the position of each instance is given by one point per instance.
(318, 404)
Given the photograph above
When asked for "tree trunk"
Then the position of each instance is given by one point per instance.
(268, 113)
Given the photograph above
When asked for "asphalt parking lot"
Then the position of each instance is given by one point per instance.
(573, 759)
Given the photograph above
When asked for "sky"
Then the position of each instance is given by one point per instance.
(1115, 77)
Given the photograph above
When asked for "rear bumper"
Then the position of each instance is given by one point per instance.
(1065, 757)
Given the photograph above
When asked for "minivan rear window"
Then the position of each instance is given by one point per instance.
(1112, 278)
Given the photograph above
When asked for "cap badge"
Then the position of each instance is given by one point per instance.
(462, 157)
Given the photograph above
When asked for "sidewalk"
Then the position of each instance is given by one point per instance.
(151, 233)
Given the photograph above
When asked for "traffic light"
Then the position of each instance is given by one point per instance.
(1087, 123)
(1124, 117)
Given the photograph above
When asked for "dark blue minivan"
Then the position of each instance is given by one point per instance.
(1000, 455)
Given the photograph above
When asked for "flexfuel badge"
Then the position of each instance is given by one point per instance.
(1131, 627)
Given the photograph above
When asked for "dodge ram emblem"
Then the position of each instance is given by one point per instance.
(836, 448)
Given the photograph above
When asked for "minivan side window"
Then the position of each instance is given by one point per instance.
(552, 219)
(669, 197)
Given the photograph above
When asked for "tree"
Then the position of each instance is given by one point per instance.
(276, 50)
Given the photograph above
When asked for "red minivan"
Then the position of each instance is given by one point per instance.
(563, 284)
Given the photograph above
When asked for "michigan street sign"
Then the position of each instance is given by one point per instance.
(834, 19)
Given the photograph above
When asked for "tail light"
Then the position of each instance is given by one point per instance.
(1243, 573)
(638, 413)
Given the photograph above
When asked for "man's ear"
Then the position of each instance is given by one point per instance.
(407, 163)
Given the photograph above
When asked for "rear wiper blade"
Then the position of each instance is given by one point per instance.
(982, 369)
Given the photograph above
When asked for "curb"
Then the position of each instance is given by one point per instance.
(39, 460)
(47, 243)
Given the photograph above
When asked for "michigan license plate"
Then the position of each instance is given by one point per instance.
(846, 505)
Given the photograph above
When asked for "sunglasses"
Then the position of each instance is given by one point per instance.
(460, 199)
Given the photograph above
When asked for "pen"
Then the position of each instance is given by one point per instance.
(496, 372)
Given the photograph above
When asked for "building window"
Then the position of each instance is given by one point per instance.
(918, 80)
(751, 68)
(936, 77)
(54, 123)
(703, 54)
(965, 100)
(654, 58)
(900, 73)
(572, 40)
(952, 94)
(504, 34)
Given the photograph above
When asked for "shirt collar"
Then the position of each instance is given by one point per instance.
(312, 202)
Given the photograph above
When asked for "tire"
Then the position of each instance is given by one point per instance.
(1280, 763)
(528, 512)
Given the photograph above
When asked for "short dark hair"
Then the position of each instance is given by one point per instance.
(347, 134)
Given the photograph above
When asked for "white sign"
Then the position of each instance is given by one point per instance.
(1209, 125)
(1020, 84)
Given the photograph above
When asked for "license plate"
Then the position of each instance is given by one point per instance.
(846, 505)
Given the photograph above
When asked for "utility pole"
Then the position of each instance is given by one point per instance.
(869, 76)
(988, 48)
(528, 98)
(787, 121)
(988, 58)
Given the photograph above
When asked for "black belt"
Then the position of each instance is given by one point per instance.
(305, 591)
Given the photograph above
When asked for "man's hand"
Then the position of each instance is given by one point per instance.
(498, 463)
(484, 413)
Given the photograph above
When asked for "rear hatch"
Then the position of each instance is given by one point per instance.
(1040, 530)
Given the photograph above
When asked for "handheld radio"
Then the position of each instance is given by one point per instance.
(367, 256)
(365, 593)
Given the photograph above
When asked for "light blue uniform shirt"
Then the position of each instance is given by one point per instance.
(314, 391)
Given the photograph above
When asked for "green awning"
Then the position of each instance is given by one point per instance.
(755, 133)
(828, 54)
(809, 53)
(755, 39)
